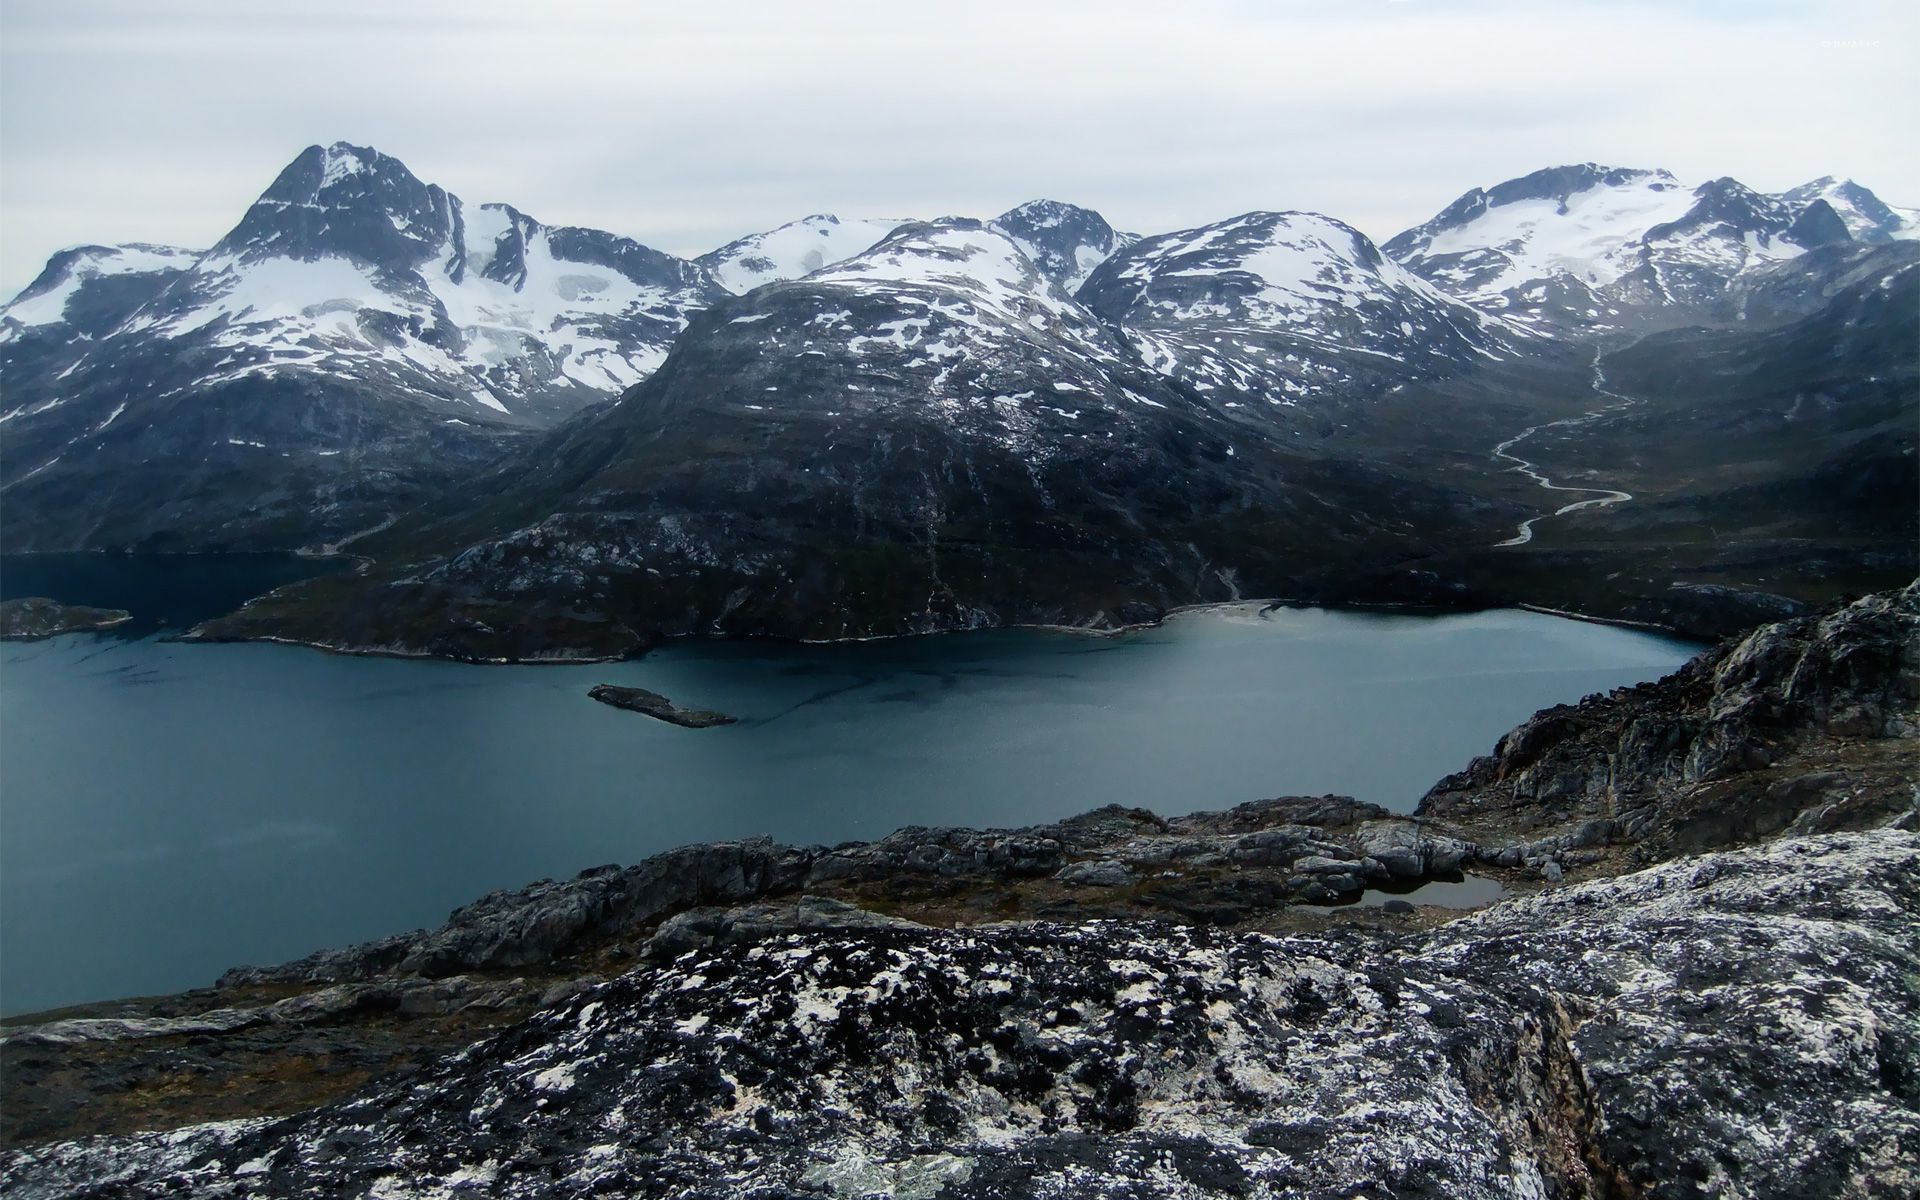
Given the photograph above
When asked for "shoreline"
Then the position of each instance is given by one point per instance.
(1266, 605)
(190, 635)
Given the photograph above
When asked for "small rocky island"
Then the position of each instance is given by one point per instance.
(653, 704)
(31, 618)
(1705, 980)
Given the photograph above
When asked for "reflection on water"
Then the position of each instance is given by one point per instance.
(173, 810)
(1469, 891)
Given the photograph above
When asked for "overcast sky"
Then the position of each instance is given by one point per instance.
(687, 124)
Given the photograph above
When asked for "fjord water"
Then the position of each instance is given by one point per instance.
(172, 810)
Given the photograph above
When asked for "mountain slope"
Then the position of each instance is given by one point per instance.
(930, 435)
(86, 291)
(1769, 465)
(1274, 310)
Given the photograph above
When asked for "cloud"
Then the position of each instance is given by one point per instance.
(687, 125)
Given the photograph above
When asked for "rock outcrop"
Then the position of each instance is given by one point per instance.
(654, 705)
(1744, 1024)
(1806, 723)
(34, 617)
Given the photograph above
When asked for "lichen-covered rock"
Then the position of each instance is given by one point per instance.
(1744, 1024)
(699, 928)
(1103, 872)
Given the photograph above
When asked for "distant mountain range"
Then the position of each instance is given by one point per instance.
(848, 427)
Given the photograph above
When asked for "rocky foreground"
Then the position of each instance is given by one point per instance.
(1124, 1004)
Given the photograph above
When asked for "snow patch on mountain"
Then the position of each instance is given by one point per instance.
(795, 249)
(1604, 246)
(1589, 234)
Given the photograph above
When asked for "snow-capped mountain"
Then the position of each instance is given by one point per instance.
(1729, 229)
(356, 332)
(861, 427)
(349, 263)
(1284, 309)
(794, 249)
(929, 435)
(1595, 247)
(1064, 240)
(1868, 218)
(350, 269)
(955, 316)
(89, 289)
(936, 404)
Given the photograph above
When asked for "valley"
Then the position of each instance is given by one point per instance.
(1603, 496)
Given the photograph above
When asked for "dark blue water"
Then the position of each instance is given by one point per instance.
(167, 811)
(162, 591)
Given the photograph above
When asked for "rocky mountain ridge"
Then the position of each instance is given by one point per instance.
(1029, 420)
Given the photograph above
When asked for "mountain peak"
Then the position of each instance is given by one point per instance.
(1285, 257)
(1867, 217)
(343, 200)
(73, 272)
(1562, 183)
(343, 160)
(319, 169)
(1064, 240)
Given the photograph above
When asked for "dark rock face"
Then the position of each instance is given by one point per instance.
(535, 924)
(1689, 761)
(653, 704)
(699, 928)
(31, 618)
(1867, 217)
(1743, 1025)
(1285, 844)
(1064, 240)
